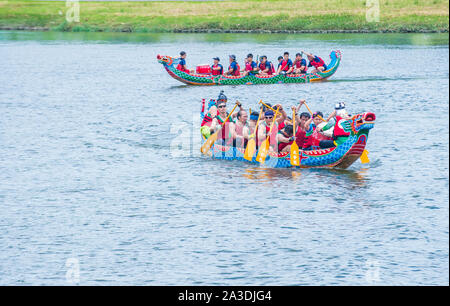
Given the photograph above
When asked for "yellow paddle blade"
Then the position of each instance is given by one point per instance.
(209, 143)
(365, 157)
(263, 151)
(295, 154)
(250, 150)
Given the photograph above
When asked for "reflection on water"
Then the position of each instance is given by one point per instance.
(358, 178)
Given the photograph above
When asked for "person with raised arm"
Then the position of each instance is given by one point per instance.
(316, 62)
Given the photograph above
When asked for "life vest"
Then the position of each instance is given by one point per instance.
(207, 120)
(236, 71)
(284, 65)
(248, 66)
(319, 63)
(181, 68)
(225, 129)
(298, 65)
(283, 145)
(308, 139)
(216, 72)
(264, 66)
(338, 130)
(300, 137)
(273, 135)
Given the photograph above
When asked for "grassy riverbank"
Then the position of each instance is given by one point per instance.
(244, 15)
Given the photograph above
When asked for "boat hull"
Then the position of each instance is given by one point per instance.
(341, 157)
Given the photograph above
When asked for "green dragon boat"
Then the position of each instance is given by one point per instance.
(170, 64)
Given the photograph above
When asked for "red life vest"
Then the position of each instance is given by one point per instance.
(181, 68)
(284, 65)
(300, 137)
(339, 131)
(273, 135)
(216, 72)
(264, 66)
(225, 129)
(317, 64)
(283, 145)
(298, 65)
(308, 140)
(207, 120)
(237, 71)
(248, 66)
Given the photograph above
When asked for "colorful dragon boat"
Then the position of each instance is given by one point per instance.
(340, 157)
(170, 64)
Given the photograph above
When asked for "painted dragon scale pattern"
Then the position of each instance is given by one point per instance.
(170, 64)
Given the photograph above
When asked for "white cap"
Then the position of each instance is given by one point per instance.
(340, 105)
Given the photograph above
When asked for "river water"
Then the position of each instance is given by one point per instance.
(93, 178)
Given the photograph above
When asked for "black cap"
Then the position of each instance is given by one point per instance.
(182, 53)
(233, 56)
(250, 55)
(216, 58)
(222, 97)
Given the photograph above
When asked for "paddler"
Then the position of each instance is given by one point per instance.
(316, 62)
(285, 66)
(300, 134)
(182, 63)
(252, 122)
(211, 114)
(285, 138)
(216, 68)
(234, 68)
(310, 128)
(241, 129)
(339, 134)
(265, 67)
(250, 65)
(227, 133)
(300, 65)
(264, 126)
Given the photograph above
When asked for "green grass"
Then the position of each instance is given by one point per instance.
(247, 15)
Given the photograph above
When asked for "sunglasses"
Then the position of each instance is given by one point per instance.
(271, 117)
(222, 106)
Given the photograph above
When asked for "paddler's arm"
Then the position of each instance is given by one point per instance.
(300, 105)
(332, 115)
(214, 123)
(326, 127)
(261, 132)
(307, 54)
(283, 114)
(281, 138)
(234, 115)
(308, 124)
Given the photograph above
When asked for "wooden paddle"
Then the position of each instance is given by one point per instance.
(212, 139)
(295, 154)
(264, 148)
(251, 144)
(320, 117)
(266, 105)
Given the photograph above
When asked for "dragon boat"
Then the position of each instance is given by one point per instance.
(170, 64)
(341, 157)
